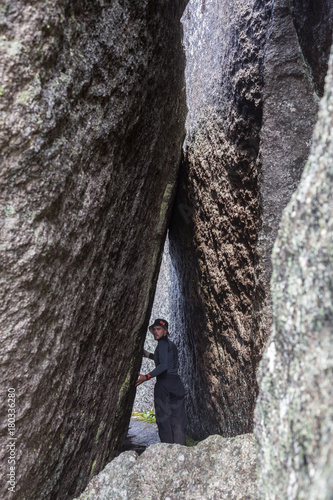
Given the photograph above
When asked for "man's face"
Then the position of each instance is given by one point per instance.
(159, 332)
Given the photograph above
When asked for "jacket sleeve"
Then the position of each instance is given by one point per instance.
(163, 348)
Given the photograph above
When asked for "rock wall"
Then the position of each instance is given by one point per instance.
(214, 230)
(92, 105)
(294, 413)
(92, 122)
(313, 22)
(289, 112)
(252, 99)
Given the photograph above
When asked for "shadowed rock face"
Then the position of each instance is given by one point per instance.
(214, 226)
(294, 414)
(92, 111)
(252, 106)
(313, 20)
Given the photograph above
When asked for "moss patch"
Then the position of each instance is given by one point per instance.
(148, 416)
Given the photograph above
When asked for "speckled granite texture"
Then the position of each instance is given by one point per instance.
(252, 99)
(214, 225)
(217, 468)
(294, 415)
(92, 103)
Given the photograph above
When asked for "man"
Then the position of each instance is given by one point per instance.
(169, 392)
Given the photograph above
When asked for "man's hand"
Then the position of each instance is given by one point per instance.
(141, 379)
(146, 353)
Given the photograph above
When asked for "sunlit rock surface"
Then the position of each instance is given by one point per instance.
(92, 123)
(216, 468)
(294, 416)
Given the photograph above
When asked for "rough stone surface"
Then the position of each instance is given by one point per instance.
(252, 99)
(295, 409)
(213, 231)
(314, 25)
(289, 113)
(92, 122)
(217, 468)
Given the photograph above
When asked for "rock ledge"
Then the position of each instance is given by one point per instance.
(216, 468)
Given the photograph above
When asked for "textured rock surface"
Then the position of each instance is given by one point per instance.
(214, 230)
(289, 113)
(314, 25)
(295, 408)
(92, 122)
(252, 105)
(216, 468)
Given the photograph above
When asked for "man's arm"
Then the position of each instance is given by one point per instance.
(142, 378)
(147, 354)
(162, 366)
(163, 348)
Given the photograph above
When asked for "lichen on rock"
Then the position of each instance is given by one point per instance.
(215, 468)
(294, 416)
(92, 121)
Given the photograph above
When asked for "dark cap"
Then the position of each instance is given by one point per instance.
(159, 322)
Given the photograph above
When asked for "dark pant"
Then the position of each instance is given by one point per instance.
(169, 397)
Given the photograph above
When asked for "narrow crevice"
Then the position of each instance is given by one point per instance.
(313, 21)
